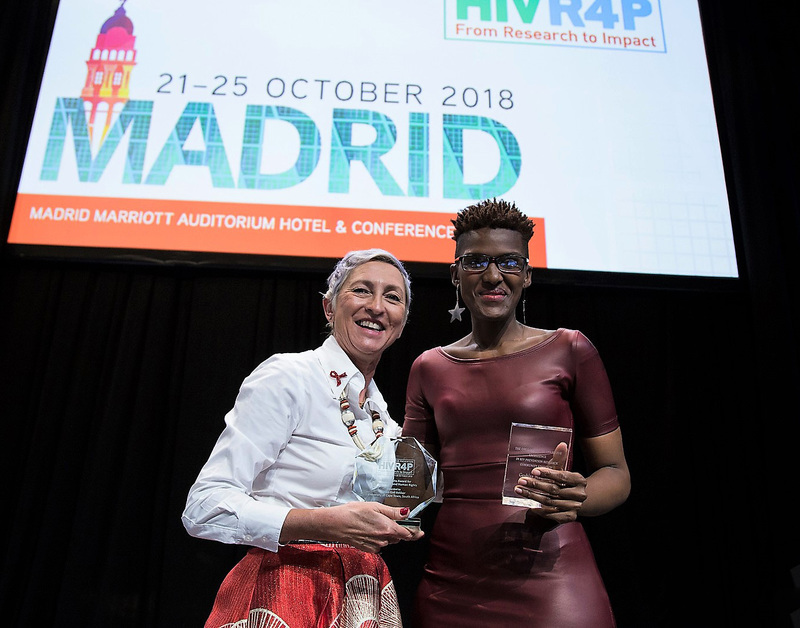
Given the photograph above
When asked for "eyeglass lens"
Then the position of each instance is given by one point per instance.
(505, 263)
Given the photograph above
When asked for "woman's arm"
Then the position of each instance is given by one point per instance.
(368, 526)
(609, 481)
(220, 505)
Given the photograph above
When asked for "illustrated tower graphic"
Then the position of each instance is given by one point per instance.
(109, 70)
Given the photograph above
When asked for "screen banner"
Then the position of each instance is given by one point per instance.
(312, 128)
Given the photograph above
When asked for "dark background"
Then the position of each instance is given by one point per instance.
(115, 378)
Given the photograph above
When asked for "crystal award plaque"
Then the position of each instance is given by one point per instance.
(531, 446)
(413, 483)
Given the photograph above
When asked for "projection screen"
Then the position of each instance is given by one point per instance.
(310, 128)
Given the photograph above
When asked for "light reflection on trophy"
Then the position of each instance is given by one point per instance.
(413, 481)
(529, 447)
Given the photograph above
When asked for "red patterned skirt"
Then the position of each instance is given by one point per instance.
(312, 585)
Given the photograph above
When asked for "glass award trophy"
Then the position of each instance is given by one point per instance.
(406, 477)
(531, 446)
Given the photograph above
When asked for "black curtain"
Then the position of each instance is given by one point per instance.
(115, 379)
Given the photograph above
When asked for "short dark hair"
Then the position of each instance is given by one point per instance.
(495, 214)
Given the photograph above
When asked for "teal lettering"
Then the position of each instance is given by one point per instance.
(485, 6)
(453, 158)
(501, 7)
(134, 121)
(418, 154)
(69, 112)
(252, 147)
(526, 10)
(213, 157)
(343, 153)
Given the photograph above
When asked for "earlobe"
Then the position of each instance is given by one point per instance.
(328, 309)
(454, 274)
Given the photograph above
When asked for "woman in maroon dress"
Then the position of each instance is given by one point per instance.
(492, 564)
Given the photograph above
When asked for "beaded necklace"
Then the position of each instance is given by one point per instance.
(375, 450)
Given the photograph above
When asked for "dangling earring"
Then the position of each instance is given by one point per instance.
(455, 313)
(524, 321)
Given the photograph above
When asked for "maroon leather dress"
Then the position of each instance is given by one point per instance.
(490, 564)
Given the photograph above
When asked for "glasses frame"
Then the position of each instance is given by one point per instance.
(490, 259)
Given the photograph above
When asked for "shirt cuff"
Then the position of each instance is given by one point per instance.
(260, 524)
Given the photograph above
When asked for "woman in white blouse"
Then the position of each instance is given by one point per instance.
(280, 477)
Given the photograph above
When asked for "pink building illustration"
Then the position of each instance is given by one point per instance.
(109, 69)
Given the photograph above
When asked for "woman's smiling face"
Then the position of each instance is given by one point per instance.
(491, 294)
(369, 312)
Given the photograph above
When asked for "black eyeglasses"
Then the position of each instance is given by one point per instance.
(476, 263)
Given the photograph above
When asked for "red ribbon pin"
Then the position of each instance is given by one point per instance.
(338, 377)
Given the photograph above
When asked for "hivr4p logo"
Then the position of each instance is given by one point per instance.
(607, 24)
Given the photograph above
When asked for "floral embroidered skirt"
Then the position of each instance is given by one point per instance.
(309, 585)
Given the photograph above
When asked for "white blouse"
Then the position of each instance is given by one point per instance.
(284, 446)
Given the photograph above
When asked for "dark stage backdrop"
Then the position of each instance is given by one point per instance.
(115, 379)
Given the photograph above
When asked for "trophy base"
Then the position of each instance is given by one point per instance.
(520, 501)
(412, 522)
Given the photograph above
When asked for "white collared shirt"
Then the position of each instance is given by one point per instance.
(284, 446)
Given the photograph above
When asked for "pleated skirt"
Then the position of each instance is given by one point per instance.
(313, 585)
